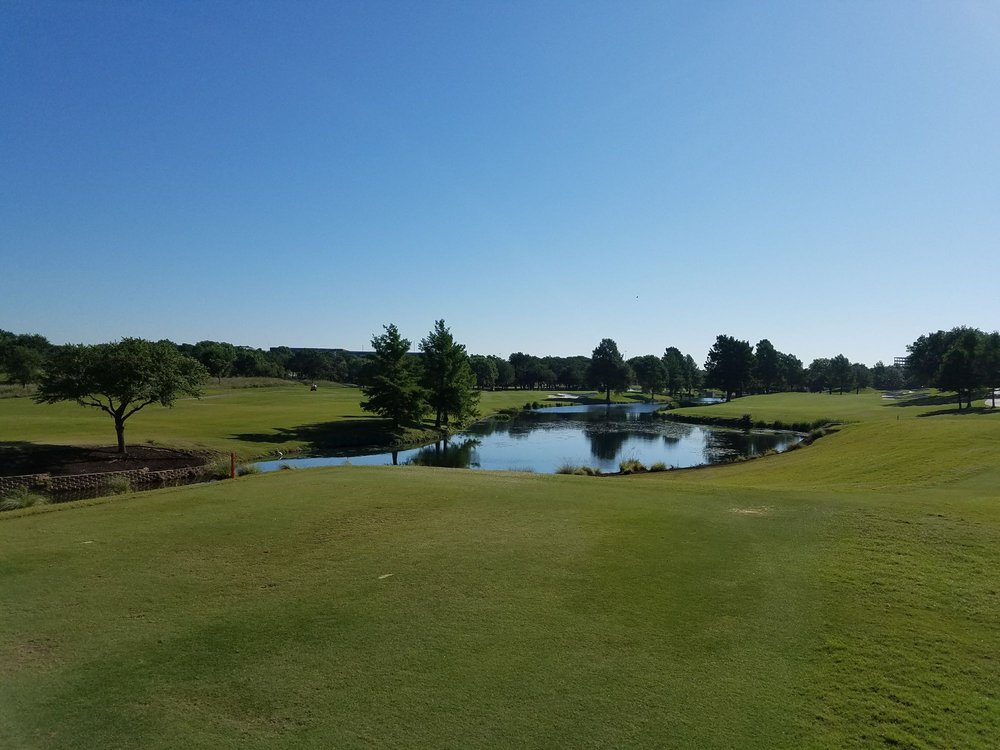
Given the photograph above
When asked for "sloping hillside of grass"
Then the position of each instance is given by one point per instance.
(843, 595)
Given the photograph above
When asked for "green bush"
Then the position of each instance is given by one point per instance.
(658, 466)
(22, 497)
(746, 422)
(217, 469)
(631, 466)
(566, 469)
(117, 485)
(246, 469)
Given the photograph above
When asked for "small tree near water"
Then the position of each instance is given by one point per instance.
(120, 378)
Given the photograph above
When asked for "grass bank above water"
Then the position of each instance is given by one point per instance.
(254, 418)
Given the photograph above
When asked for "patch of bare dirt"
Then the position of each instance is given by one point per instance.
(63, 460)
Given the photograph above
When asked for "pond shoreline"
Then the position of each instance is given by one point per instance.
(600, 439)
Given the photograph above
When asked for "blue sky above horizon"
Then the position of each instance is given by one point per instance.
(541, 175)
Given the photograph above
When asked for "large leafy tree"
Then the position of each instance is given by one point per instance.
(951, 360)
(571, 372)
(886, 377)
(958, 370)
(692, 374)
(841, 374)
(729, 365)
(23, 364)
(447, 377)
(989, 363)
(520, 365)
(485, 370)
(793, 374)
(608, 370)
(22, 356)
(392, 390)
(217, 357)
(818, 375)
(649, 373)
(674, 370)
(505, 371)
(120, 378)
(926, 355)
(861, 375)
(767, 366)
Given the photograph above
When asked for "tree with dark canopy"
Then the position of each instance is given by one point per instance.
(120, 378)
(950, 360)
(485, 370)
(988, 359)
(608, 370)
(729, 366)
(392, 390)
(649, 373)
(447, 377)
(767, 365)
(958, 370)
(841, 374)
(216, 356)
(674, 370)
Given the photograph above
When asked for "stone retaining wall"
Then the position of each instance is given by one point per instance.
(70, 482)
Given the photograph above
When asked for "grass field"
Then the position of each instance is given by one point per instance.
(844, 595)
(250, 421)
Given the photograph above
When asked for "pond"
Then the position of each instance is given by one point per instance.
(598, 436)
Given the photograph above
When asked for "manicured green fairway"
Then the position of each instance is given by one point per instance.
(844, 595)
(251, 421)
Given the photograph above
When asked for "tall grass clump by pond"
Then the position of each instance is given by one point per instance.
(579, 471)
(631, 466)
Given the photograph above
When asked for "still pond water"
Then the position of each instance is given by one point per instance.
(598, 436)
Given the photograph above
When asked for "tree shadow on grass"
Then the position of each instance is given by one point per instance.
(344, 436)
(924, 401)
(963, 412)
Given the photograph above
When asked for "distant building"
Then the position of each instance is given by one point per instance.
(900, 362)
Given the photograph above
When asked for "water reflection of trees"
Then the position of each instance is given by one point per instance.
(605, 444)
(450, 455)
(725, 445)
(609, 433)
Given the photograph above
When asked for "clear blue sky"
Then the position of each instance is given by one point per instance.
(539, 174)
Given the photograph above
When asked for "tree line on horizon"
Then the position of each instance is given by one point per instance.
(962, 359)
(123, 377)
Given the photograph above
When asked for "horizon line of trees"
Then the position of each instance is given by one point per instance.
(963, 360)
